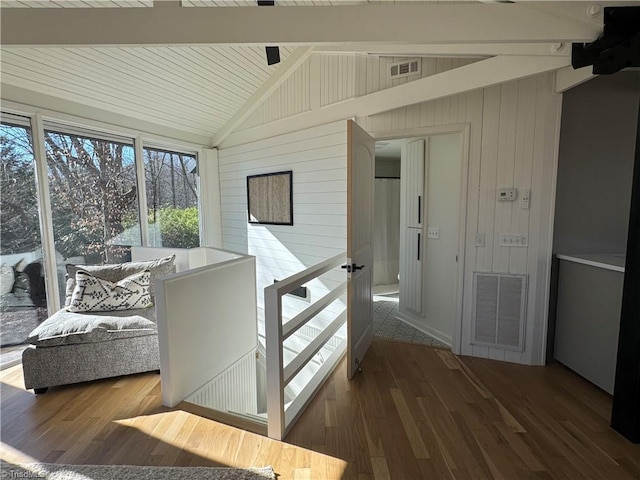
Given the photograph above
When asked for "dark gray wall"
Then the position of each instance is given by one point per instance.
(595, 165)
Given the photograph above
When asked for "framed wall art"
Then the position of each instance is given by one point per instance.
(270, 198)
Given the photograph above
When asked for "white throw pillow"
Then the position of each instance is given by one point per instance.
(7, 277)
(93, 294)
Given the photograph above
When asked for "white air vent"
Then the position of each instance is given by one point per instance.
(499, 310)
(405, 68)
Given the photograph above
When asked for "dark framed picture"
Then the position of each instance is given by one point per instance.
(270, 198)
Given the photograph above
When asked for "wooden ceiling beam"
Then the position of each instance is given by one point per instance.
(170, 24)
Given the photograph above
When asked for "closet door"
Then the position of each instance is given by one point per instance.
(411, 270)
(413, 162)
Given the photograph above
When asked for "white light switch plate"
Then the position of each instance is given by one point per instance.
(524, 199)
(433, 233)
(479, 239)
(513, 240)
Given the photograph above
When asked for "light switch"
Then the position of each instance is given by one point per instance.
(524, 199)
(479, 239)
(433, 233)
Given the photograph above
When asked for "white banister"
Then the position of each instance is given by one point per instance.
(275, 373)
(289, 284)
(310, 350)
(281, 419)
(303, 317)
(297, 406)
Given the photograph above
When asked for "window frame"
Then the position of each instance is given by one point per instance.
(143, 188)
(40, 120)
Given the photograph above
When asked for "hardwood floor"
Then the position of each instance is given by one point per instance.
(415, 412)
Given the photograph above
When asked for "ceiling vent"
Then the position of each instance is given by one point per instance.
(405, 68)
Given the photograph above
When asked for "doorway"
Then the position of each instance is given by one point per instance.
(430, 251)
(386, 217)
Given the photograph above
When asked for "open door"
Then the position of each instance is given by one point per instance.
(360, 184)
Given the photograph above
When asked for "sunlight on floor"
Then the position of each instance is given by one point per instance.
(174, 431)
(386, 289)
(385, 298)
(12, 455)
(12, 376)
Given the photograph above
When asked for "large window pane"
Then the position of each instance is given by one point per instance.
(23, 301)
(172, 198)
(92, 188)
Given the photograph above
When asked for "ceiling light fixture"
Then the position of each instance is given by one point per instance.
(273, 53)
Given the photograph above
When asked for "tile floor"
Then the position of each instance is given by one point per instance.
(386, 325)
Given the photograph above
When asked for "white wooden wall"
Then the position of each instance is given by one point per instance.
(289, 99)
(326, 79)
(513, 143)
(317, 157)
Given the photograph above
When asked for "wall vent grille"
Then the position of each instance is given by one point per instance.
(499, 310)
(405, 68)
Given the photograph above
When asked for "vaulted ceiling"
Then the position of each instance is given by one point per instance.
(192, 67)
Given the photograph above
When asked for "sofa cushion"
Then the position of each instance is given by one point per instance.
(67, 328)
(93, 294)
(117, 271)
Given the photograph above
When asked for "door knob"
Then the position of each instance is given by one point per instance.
(352, 268)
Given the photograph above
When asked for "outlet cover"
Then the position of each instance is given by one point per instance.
(513, 240)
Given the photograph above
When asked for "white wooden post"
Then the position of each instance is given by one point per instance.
(274, 362)
(45, 216)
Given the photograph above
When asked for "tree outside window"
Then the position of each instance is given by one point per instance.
(172, 198)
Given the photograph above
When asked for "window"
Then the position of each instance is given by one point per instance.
(95, 208)
(94, 199)
(171, 181)
(23, 300)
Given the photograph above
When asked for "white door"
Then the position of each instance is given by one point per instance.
(360, 201)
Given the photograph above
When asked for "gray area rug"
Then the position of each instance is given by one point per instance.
(129, 472)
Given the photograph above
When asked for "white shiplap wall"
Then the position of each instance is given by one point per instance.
(317, 157)
(290, 98)
(513, 143)
(234, 390)
(325, 79)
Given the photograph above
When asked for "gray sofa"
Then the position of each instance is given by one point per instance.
(72, 347)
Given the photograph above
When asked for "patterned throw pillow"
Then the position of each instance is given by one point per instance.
(117, 271)
(93, 294)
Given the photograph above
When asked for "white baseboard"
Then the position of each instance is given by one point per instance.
(432, 332)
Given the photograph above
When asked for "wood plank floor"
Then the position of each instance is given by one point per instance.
(415, 412)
